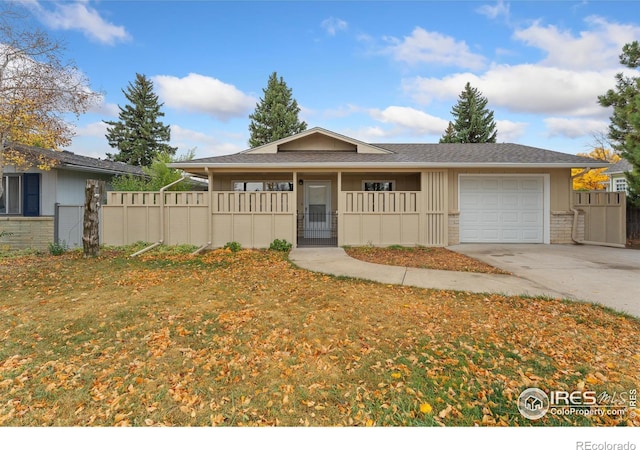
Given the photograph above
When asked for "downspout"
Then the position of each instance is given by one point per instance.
(209, 219)
(161, 241)
(576, 213)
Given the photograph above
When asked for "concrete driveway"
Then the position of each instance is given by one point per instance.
(609, 276)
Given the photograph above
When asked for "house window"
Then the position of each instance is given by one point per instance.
(620, 184)
(377, 185)
(10, 198)
(262, 186)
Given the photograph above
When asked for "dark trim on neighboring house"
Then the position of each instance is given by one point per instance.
(31, 194)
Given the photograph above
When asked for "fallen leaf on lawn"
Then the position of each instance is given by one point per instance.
(426, 408)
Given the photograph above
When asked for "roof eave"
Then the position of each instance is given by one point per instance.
(377, 165)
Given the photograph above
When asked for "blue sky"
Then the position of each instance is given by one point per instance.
(376, 71)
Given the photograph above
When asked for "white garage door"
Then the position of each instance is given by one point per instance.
(499, 208)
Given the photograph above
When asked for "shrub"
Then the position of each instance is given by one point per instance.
(280, 245)
(233, 246)
(58, 248)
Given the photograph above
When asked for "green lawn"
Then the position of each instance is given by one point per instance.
(248, 339)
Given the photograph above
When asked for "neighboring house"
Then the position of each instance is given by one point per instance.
(617, 177)
(322, 188)
(42, 206)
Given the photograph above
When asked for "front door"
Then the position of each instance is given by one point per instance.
(317, 208)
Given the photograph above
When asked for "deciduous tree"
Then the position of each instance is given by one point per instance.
(138, 135)
(276, 115)
(38, 90)
(594, 179)
(473, 122)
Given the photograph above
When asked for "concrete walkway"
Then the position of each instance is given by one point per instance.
(334, 261)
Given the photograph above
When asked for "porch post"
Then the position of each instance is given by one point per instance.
(294, 210)
(210, 208)
(340, 210)
(422, 209)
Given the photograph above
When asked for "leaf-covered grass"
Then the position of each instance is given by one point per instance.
(245, 338)
(437, 258)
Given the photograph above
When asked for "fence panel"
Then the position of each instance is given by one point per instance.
(633, 223)
(605, 216)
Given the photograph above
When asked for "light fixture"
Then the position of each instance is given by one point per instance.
(300, 182)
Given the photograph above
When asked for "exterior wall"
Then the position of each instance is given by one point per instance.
(404, 181)
(318, 142)
(224, 181)
(26, 232)
(71, 185)
(454, 228)
(562, 225)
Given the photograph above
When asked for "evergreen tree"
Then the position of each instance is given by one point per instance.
(624, 129)
(276, 115)
(138, 135)
(473, 121)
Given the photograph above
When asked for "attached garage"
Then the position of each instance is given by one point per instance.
(504, 208)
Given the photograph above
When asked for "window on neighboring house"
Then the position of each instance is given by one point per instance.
(620, 184)
(10, 199)
(262, 186)
(378, 185)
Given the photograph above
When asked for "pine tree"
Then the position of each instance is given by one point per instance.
(624, 129)
(276, 115)
(138, 135)
(473, 121)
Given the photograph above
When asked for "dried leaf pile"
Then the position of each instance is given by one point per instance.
(437, 258)
(235, 339)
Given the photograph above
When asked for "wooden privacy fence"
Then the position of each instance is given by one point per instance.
(253, 219)
(130, 217)
(605, 216)
(633, 222)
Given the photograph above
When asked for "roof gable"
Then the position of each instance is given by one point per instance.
(317, 140)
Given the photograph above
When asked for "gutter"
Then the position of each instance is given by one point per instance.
(374, 165)
(161, 241)
(576, 213)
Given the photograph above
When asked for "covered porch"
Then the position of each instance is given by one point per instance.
(305, 208)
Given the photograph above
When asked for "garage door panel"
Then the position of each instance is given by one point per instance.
(501, 208)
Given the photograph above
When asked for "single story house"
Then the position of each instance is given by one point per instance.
(617, 177)
(322, 188)
(38, 207)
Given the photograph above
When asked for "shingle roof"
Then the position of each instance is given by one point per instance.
(70, 160)
(440, 155)
(620, 167)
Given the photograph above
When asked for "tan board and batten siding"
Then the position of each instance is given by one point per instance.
(422, 209)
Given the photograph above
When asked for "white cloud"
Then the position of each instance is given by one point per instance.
(424, 46)
(410, 119)
(523, 88)
(332, 25)
(108, 110)
(575, 128)
(205, 144)
(202, 94)
(593, 49)
(94, 129)
(77, 15)
(509, 131)
(499, 9)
